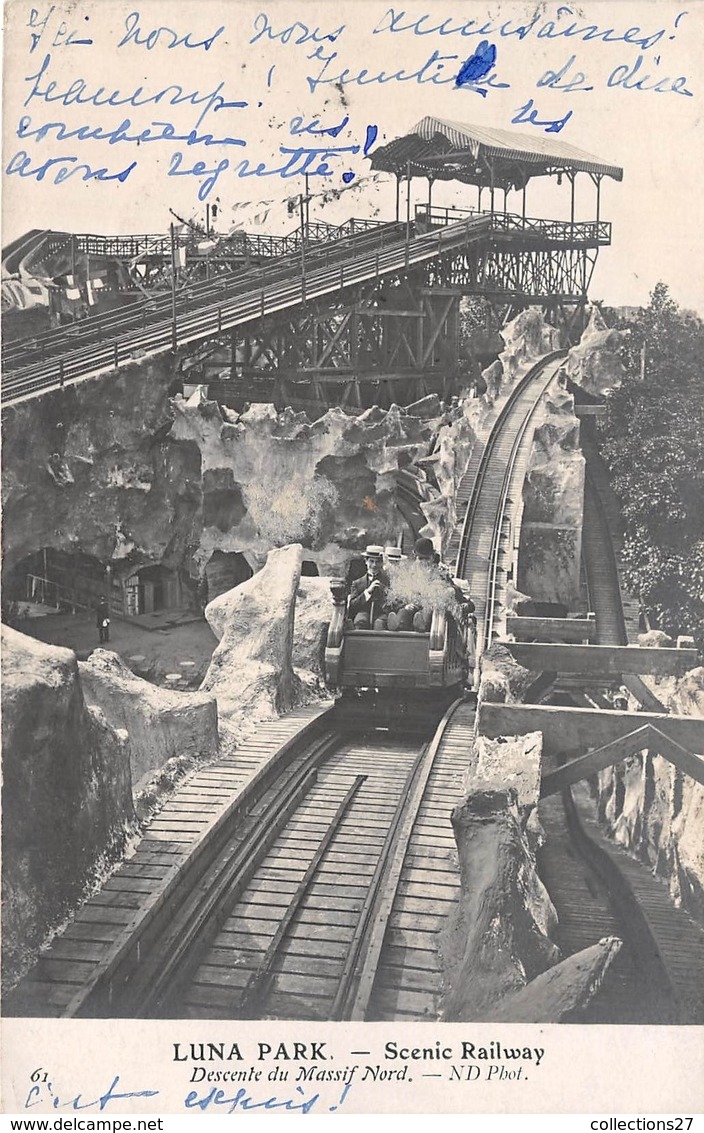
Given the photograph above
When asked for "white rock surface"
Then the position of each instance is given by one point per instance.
(251, 671)
(67, 793)
(161, 724)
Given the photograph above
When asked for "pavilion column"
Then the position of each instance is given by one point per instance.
(598, 198)
(398, 198)
(408, 205)
(430, 196)
(491, 167)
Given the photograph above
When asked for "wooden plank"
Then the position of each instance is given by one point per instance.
(610, 660)
(569, 729)
(92, 914)
(554, 781)
(67, 971)
(66, 949)
(551, 629)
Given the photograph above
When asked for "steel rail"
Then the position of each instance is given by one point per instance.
(259, 981)
(485, 486)
(357, 984)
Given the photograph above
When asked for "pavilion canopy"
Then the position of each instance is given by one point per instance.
(479, 155)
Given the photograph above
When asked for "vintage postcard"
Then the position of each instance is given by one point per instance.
(352, 683)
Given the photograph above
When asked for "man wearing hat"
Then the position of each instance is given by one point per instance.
(393, 556)
(368, 593)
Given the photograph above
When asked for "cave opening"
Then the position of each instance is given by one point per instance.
(223, 571)
(64, 581)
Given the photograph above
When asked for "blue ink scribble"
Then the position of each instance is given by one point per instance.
(478, 65)
(34, 1097)
(529, 113)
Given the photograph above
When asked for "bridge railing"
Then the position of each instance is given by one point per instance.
(256, 244)
(562, 231)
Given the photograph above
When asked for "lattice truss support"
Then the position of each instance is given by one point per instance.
(396, 338)
(391, 326)
(527, 274)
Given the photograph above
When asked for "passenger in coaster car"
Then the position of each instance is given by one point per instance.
(413, 616)
(392, 556)
(367, 595)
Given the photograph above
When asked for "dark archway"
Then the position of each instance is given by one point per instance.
(224, 570)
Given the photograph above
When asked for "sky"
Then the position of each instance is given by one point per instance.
(620, 80)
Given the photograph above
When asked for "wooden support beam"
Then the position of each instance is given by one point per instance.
(589, 411)
(613, 752)
(601, 660)
(685, 760)
(552, 629)
(593, 761)
(578, 729)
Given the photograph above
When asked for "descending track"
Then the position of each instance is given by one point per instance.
(211, 308)
(596, 888)
(318, 883)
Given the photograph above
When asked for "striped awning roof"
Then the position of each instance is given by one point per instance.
(458, 151)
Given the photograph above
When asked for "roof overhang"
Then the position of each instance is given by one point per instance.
(479, 155)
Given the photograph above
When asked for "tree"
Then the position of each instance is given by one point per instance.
(653, 442)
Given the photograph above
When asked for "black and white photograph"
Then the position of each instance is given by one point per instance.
(352, 557)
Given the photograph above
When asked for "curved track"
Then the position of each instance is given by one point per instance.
(596, 888)
(323, 888)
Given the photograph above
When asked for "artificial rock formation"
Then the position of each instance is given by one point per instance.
(502, 680)
(498, 940)
(312, 617)
(251, 671)
(67, 793)
(161, 724)
(558, 994)
(594, 363)
(526, 339)
(655, 810)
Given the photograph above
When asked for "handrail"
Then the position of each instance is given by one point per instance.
(246, 304)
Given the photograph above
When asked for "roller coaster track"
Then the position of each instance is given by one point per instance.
(311, 874)
(493, 478)
(597, 889)
(105, 342)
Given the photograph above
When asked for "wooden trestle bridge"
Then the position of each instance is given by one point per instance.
(354, 315)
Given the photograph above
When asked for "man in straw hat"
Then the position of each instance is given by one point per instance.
(368, 593)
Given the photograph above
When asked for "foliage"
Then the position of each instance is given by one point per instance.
(654, 445)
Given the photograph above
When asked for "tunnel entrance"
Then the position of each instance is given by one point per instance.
(224, 570)
(58, 580)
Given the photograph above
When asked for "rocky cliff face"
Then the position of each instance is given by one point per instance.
(594, 363)
(119, 469)
(67, 793)
(161, 724)
(655, 810)
(251, 671)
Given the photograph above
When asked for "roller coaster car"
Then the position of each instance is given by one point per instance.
(368, 658)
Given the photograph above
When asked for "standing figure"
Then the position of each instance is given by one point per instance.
(368, 593)
(102, 619)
